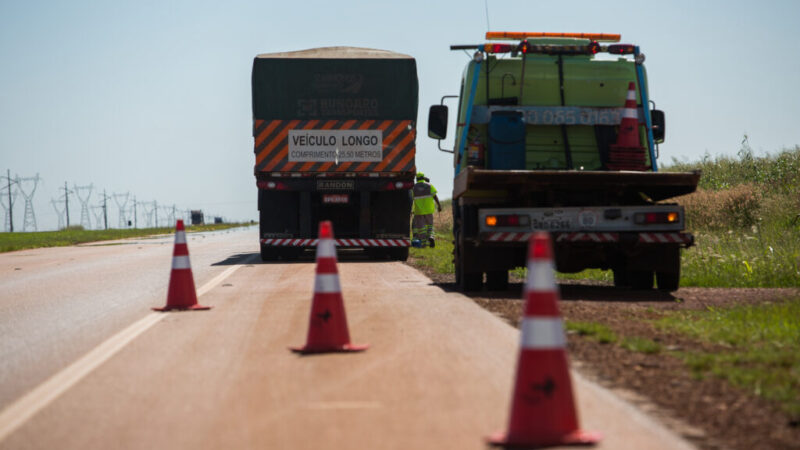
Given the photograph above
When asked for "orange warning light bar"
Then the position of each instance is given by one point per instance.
(521, 36)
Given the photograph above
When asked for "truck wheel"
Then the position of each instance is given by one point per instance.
(621, 278)
(269, 253)
(497, 280)
(669, 280)
(399, 254)
(466, 281)
(641, 279)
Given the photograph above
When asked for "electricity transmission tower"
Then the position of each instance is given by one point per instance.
(29, 218)
(59, 212)
(169, 214)
(98, 216)
(12, 197)
(148, 210)
(122, 201)
(84, 199)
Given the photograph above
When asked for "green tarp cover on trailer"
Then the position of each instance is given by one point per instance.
(335, 83)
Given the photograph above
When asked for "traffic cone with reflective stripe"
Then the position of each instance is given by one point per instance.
(327, 329)
(181, 293)
(628, 153)
(542, 408)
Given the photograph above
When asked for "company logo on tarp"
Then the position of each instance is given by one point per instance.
(337, 83)
(335, 146)
(338, 107)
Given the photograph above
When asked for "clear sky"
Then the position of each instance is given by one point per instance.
(153, 97)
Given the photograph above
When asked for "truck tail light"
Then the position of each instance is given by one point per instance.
(499, 48)
(273, 185)
(398, 185)
(508, 220)
(620, 49)
(652, 218)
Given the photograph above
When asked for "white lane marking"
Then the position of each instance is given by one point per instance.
(19, 412)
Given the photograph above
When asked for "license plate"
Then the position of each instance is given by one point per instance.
(335, 198)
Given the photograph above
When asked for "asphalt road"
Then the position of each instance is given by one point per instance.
(84, 363)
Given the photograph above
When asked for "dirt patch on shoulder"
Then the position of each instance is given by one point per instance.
(708, 411)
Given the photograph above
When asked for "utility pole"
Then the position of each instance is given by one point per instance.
(134, 213)
(10, 203)
(155, 211)
(105, 209)
(66, 200)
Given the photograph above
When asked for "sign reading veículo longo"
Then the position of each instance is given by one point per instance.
(335, 145)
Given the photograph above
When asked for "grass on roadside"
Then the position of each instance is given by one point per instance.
(760, 348)
(592, 330)
(76, 235)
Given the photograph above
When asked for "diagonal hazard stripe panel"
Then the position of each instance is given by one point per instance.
(271, 144)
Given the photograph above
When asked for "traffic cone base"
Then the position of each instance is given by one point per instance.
(181, 294)
(543, 409)
(346, 348)
(327, 328)
(574, 438)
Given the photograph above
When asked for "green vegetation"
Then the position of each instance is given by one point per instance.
(596, 331)
(754, 347)
(640, 345)
(77, 235)
(746, 220)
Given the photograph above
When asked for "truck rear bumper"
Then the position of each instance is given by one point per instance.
(683, 239)
(348, 243)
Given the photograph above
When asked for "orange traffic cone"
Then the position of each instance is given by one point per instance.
(181, 293)
(327, 329)
(543, 408)
(627, 153)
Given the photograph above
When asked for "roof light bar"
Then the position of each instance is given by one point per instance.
(519, 36)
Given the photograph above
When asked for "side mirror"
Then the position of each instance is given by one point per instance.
(437, 122)
(657, 118)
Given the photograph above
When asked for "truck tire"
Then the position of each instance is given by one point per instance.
(466, 280)
(621, 277)
(399, 254)
(497, 280)
(269, 253)
(669, 280)
(641, 279)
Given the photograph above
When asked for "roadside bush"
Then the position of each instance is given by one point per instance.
(736, 208)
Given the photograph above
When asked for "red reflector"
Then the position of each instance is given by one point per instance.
(392, 185)
(272, 185)
(655, 218)
(621, 49)
(335, 198)
(513, 220)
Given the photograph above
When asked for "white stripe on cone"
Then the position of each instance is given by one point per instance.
(181, 262)
(543, 333)
(180, 237)
(327, 284)
(326, 248)
(631, 94)
(630, 113)
(541, 276)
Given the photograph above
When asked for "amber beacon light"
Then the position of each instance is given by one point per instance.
(522, 35)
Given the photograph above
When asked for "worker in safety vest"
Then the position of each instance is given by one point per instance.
(424, 198)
